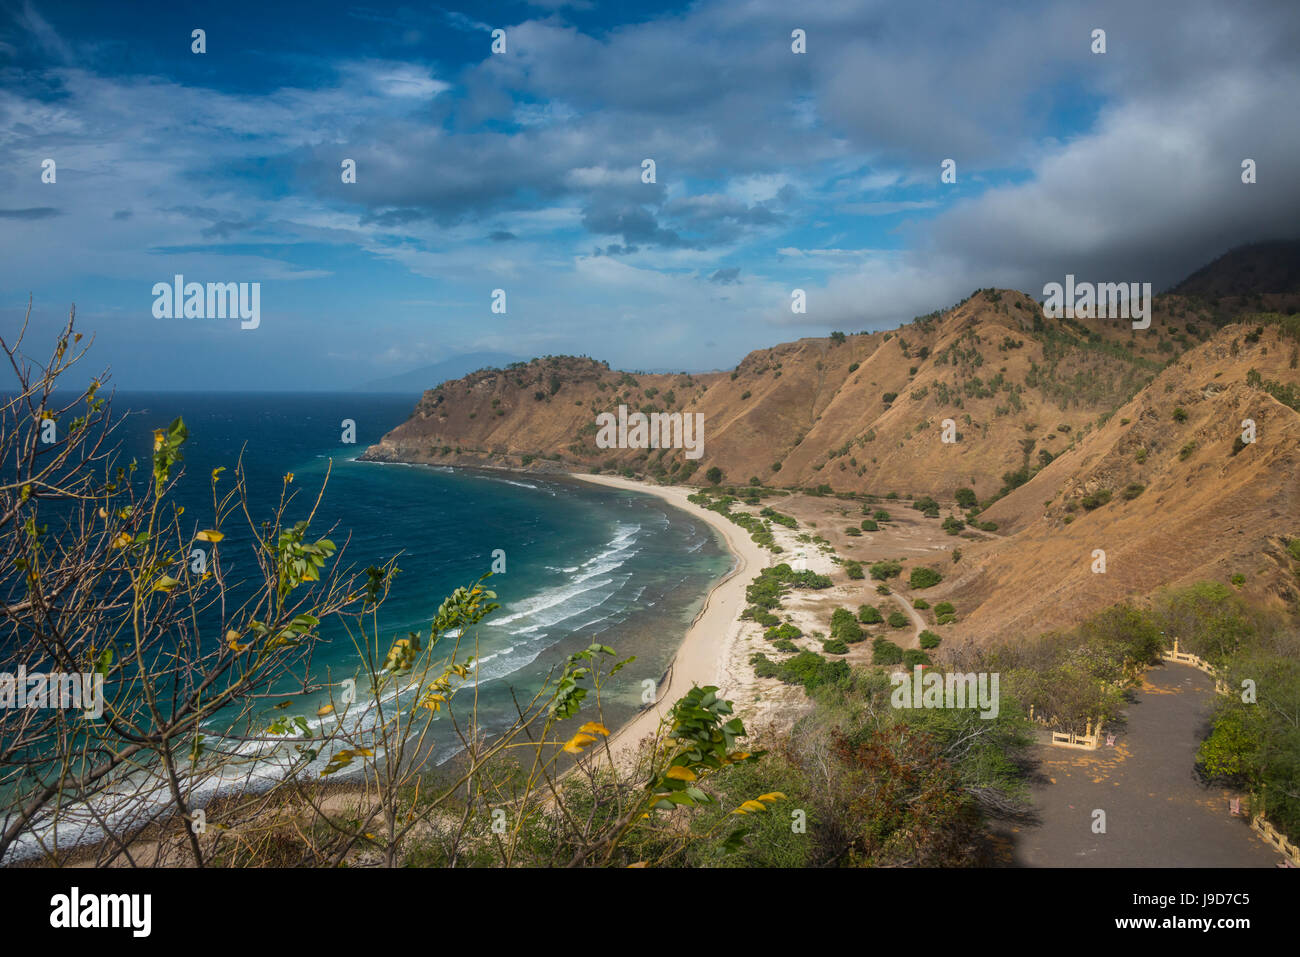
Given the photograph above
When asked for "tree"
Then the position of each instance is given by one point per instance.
(714, 475)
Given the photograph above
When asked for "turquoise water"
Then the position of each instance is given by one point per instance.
(583, 563)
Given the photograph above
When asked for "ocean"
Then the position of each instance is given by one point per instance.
(584, 563)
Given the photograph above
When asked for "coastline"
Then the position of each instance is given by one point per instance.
(713, 636)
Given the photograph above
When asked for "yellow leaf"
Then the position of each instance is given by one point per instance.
(165, 583)
(750, 807)
(594, 727)
(157, 439)
(638, 864)
(103, 513)
(579, 741)
(327, 709)
(210, 535)
(288, 478)
(121, 540)
(772, 796)
(679, 773)
(232, 639)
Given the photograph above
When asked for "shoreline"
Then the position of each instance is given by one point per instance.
(701, 657)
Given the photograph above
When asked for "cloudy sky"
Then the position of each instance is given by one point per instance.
(522, 170)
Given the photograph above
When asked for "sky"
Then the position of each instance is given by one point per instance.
(522, 170)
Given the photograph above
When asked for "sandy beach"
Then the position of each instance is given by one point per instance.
(716, 632)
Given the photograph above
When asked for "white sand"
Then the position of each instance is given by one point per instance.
(706, 653)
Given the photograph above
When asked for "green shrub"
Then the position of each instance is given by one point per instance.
(1133, 490)
(785, 645)
(806, 668)
(924, 578)
(852, 531)
(854, 570)
(966, 498)
(770, 513)
(920, 604)
(881, 515)
(844, 627)
(914, 656)
(881, 571)
(1095, 499)
(929, 639)
(885, 652)
(835, 646)
(898, 620)
(869, 615)
(953, 525)
(782, 632)
(869, 525)
(1180, 414)
(882, 589)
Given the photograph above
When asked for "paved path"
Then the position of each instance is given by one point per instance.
(1158, 814)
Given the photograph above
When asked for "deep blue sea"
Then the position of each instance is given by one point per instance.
(583, 563)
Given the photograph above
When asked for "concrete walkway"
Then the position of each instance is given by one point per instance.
(1158, 814)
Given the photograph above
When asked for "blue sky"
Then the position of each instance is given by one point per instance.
(522, 171)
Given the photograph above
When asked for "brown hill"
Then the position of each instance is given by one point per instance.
(1075, 435)
(1165, 487)
(858, 413)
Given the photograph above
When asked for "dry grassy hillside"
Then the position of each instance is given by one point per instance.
(857, 413)
(1076, 436)
(1165, 487)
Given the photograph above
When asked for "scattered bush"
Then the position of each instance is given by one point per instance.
(806, 668)
(1095, 499)
(869, 615)
(854, 570)
(783, 632)
(929, 639)
(897, 619)
(882, 571)
(885, 652)
(844, 627)
(924, 578)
